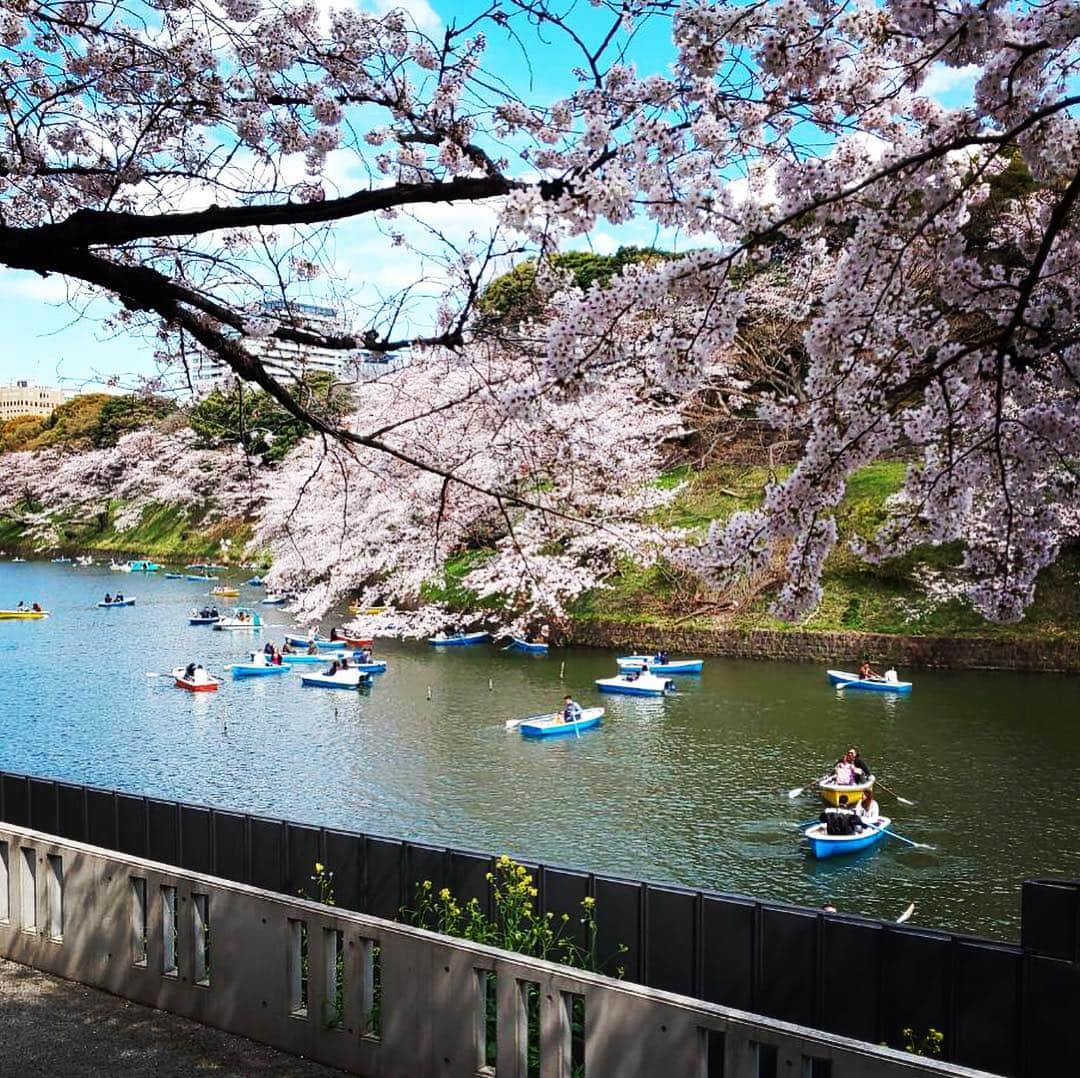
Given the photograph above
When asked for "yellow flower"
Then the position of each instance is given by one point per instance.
(426, 885)
(319, 869)
(588, 902)
(489, 877)
(533, 892)
(444, 894)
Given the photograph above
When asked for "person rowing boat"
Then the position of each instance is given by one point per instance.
(867, 672)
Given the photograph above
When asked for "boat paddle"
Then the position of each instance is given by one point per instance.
(917, 845)
(513, 724)
(792, 794)
(906, 915)
(902, 800)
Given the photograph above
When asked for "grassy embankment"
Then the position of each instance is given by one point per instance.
(857, 597)
(164, 532)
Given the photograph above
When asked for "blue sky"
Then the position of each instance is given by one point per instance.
(47, 341)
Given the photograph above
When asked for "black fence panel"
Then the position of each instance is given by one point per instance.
(71, 810)
(849, 992)
(986, 995)
(43, 812)
(562, 893)
(267, 853)
(620, 929)
(1050, 922)
(131, 824)
(304, 852)
(163, 831)
(1001, 1008)
(1051, 1029)
(423, 865)
(671, 931)
(231, 846)
(196, 849)
(384, 897)
(728, 935)
(101, 818)
(345, 859)
(787, 964)
(468, 877)
(915, 985)
(16, 800)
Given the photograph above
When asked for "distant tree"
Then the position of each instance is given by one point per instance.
(73, 423)
(515, 296)
(17, 433)
(119, 415)
(240, 415)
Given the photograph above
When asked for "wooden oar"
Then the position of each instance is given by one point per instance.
(902, 800)
(917, 845)
(906, 915)
(792, 794)
(513, 724)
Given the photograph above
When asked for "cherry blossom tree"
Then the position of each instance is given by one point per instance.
(177, 155)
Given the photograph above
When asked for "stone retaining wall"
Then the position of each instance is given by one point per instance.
(838, 648)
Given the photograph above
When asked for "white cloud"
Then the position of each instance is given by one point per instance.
(951, 86)
(26, 285)
(420, 11)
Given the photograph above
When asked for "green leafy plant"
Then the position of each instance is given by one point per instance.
(923, 1044)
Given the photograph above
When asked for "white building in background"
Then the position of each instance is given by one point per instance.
(288, 361)
(24, 397)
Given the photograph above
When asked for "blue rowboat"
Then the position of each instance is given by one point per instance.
(323, 657)
(119, 602)
(60, 561)
(553, 726)
(253, 669)
(274, 600)
(525, 645)
(676, 666)
(174, 576)
(843, 680)
(319, 641)
(641, 685)
(196, 576)
(458, 640)
(343, 679)
(254, 582)
(198, 619)
(826, 845)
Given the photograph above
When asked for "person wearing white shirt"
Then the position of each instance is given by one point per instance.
(867, 810)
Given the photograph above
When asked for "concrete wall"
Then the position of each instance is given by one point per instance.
(412, 1000)
(841, 650)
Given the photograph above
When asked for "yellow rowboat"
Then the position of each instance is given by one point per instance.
(23, 615)
(831, 791)
(355, 608)
(224, 591)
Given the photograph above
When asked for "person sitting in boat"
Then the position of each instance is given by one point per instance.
(108, 597)
(119, 598)
(661, 657)
(189, 671)
(36, 608)
(287, 649)
(860, 769)
(840, 820)
(334, 668)
(312, 648)
(571, 711)
(844, 774)
(268, 648)
(336, 634)
(344, 663)
(867, 811)
(867, 672)
(22, 605)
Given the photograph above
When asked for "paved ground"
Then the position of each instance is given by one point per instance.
(56, 1028)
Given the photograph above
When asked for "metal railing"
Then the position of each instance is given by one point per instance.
(376, 997)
